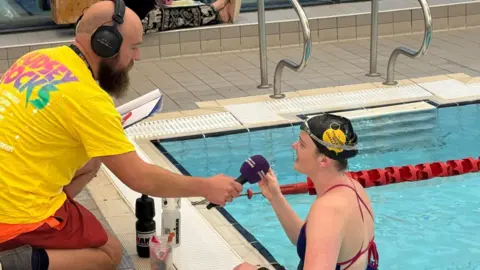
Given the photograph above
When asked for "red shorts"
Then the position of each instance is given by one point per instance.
(78, 229)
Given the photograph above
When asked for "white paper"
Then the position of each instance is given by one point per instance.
(140, 108)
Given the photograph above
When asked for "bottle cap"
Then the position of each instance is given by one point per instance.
(145, 207)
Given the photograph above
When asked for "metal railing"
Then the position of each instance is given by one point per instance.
(373, 40)
(262, 43)
(408, 52)
(307, 47)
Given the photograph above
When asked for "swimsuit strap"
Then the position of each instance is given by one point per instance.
(359, 199)
(371, 244)
(371, 248)
(373, 255)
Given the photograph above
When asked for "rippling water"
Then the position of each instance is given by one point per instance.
(430, 224)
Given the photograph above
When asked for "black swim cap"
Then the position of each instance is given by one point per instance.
(333, 135)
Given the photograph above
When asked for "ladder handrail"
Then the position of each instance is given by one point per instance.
(307, 47)
(427, 15)
(373, 40)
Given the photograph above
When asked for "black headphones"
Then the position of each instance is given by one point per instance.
(107, 40)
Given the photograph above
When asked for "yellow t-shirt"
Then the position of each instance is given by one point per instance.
(53, 118)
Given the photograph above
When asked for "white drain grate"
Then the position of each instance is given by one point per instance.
(159, 128)
(361, 98)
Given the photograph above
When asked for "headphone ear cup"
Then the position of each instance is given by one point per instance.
(106, 41)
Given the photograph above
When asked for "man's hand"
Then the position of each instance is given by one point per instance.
(222, 189)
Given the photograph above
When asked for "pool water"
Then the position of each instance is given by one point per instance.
(419, 225)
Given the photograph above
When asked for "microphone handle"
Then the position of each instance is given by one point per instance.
(241, 179)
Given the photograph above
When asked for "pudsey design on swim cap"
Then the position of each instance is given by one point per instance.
(335, 136)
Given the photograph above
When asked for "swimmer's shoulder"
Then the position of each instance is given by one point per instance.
(339, 199)
(334, 201)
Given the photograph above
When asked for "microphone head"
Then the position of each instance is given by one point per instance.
(254, 168)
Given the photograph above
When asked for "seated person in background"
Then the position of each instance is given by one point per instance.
(157, 16)
(339, 230)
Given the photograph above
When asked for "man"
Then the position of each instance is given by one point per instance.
(56, 126)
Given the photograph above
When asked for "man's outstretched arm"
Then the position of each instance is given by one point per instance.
(155, 181)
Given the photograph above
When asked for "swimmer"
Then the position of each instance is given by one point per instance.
(338, 232)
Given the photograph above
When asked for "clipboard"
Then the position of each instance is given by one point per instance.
(141, 108)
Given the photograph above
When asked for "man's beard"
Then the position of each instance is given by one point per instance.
(114, 82)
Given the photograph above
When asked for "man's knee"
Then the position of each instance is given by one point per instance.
(113, 248)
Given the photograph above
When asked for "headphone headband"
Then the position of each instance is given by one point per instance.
(119, 12)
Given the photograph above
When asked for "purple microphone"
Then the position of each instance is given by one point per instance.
(252, 171)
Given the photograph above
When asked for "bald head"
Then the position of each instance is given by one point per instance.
(101, 13)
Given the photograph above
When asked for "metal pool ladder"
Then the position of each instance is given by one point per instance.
(307, 46)
(427, 15)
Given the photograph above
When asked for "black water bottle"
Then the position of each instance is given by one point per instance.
(145, 226)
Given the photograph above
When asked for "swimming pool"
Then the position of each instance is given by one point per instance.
(419, 225)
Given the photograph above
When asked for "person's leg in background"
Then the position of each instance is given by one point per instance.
(163, 18)
(82, 177)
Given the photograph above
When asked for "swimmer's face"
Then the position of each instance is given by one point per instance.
(309, 161)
